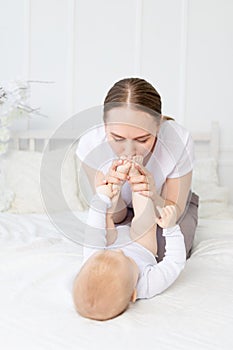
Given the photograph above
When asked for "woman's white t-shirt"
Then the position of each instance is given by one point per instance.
(172, 157)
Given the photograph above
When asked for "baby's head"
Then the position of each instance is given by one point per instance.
(105, 285)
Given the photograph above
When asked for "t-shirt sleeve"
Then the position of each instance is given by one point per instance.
(94, 150)
(185, 160)
(88, 147)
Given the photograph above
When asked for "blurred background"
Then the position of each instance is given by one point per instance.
(184, 48)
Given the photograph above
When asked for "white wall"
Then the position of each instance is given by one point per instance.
(183, 47)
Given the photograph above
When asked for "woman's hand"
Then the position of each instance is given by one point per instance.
(113, 176)
(143, 182)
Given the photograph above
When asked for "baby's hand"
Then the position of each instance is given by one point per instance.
(168, 216)
(107, 190)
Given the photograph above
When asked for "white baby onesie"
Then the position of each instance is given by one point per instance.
(153, 277)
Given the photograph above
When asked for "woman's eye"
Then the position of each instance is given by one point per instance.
(115, 139)
(122, 139)
(142, 141)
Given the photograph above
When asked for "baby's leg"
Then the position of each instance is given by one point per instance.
(143, 227)
(124, 169)
(118, 211)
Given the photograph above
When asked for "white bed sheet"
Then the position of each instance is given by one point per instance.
(37, 267)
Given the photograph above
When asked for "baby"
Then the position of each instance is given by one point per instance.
(119, 263)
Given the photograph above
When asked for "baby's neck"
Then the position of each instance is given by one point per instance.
(135, 270)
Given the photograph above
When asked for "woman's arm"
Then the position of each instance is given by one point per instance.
(97, 178)
(174, 192)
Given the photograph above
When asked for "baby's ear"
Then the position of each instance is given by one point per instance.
(134, 296)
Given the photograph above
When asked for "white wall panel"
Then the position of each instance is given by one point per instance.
(104, 48)
(50, 59)
(13, 38)
(209, 78)
(209, 66)
(162, 50)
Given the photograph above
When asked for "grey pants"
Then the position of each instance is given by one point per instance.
(188, 223)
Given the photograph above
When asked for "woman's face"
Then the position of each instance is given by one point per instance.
(130, 132)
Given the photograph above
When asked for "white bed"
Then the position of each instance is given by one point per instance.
(38, 264)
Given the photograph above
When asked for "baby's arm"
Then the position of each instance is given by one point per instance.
(100, 230)
(163, 274)
(95, 231)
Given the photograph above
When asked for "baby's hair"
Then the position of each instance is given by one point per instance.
(101, 290)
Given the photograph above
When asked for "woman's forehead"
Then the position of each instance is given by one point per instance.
(130, 120)
(127, 130)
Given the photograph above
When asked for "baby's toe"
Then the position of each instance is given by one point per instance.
(124, 168)
(138, 159)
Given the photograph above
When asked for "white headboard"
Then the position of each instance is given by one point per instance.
(36, 140)
(207, 143)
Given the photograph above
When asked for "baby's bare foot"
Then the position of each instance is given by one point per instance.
(133, 170)
(124, 169)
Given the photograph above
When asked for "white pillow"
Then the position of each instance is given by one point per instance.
(22, 176)
(205, 171)
(212, 200)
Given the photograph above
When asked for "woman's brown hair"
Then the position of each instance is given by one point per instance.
(136, 92)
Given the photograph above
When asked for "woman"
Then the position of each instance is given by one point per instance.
(134, 125)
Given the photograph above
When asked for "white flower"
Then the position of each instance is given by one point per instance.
(14, 97)
(3, 148)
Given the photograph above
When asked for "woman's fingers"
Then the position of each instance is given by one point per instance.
(135, 179)
(115, 164)
(112, 180)
(117, 174)
(146, 193)
(113, 176)
(140, 187)
(142, 169)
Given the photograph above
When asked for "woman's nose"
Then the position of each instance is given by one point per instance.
(130, 148)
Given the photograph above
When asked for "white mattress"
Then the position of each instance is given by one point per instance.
(37, 267)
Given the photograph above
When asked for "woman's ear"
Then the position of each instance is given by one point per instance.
(134, 296)
(166, 117)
